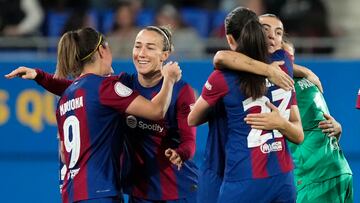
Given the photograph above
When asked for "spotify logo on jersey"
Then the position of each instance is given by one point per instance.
(131, 121)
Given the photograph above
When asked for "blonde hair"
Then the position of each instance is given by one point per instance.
(166, 34)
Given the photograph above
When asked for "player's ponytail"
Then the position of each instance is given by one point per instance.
(252, 42)
(67, 55)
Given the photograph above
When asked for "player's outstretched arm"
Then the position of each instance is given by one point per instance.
(240, 62)
(54, 85)
(22, 72)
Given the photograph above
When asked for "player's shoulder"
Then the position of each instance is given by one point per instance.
(181, 83)
(223, 73)
(280, 54)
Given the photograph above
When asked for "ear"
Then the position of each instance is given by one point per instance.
(101, 51)
(231, 41)
(164, 56)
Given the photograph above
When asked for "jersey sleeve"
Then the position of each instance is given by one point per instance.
(186, 149)
(215, 88)
(51, 84)
(114, 93)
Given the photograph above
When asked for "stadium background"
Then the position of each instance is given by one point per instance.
(28, 144)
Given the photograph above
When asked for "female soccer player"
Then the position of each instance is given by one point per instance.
(330, 181)
(90, 111)
(257, 160)
(154, 146)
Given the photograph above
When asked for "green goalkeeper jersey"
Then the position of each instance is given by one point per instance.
(319, 157)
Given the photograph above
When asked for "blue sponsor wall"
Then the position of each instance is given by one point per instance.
(28, 144)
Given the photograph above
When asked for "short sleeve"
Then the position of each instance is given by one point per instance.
(115, 94)
(215, 87)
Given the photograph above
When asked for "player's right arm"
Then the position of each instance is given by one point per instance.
(122, 98)
(46, 80)
(240, 62)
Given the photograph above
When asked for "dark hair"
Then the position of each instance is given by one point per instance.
(75, 49)
(244, 26)
(166, 35)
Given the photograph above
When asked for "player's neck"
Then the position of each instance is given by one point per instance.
(91, 68)
(150, 79)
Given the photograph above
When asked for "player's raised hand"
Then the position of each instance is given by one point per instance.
(172, 71)
(279, 77)
(174, 157)
(23, 72)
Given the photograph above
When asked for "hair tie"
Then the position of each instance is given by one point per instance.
(91, 53)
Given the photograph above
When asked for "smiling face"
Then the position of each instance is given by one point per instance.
(274, 31)
(148, 54)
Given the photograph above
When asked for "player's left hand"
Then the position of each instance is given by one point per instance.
(265, 121)
(330, 126)
(174, 157)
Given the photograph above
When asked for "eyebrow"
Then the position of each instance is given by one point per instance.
(146, 43)
(277, 28)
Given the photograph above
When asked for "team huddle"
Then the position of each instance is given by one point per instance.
(271, 137)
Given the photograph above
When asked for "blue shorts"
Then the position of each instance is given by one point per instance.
(280, 188)
(209, 186)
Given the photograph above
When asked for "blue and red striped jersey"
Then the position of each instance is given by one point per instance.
(89, 116)
(148, 174)
(214, 154)
(251, 153)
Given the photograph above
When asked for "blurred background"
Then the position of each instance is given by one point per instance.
(325, 34)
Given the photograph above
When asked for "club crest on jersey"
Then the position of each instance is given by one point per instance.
(122, 90)
(208, 86)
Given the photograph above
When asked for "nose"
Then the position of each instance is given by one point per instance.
(271, 34)
(142, 52)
